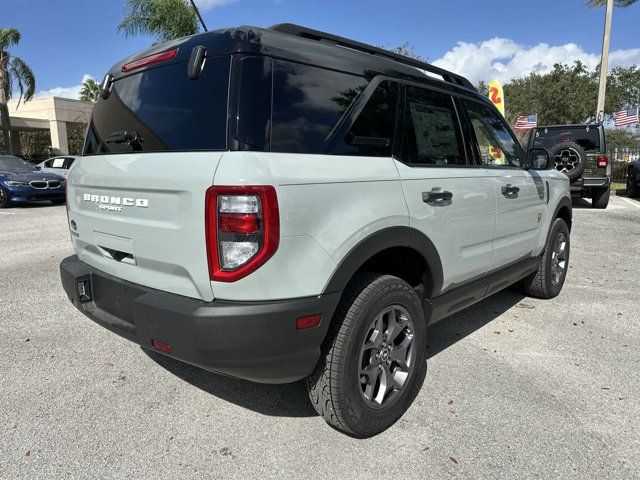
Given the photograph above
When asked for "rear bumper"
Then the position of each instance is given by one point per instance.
(256, 341)
(584, 183)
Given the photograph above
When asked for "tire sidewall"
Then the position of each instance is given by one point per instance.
(559, 226)
(363, 418)
(582, 163)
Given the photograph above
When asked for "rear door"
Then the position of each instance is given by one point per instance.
(521, 194)
(451, 201)
(136, 198)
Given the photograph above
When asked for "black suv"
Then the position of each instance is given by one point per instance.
(579, 152)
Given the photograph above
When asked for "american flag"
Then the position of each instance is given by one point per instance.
(626, 117)
(526, 122)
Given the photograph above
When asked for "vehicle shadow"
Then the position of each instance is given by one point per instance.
(290, 400)
(578, 202)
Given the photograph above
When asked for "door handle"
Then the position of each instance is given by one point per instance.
(437, 197)
(510, 191)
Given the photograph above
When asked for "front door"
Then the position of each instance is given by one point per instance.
(520, 193)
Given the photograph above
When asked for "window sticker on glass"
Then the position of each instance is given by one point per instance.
(58, 163)
(434, 131)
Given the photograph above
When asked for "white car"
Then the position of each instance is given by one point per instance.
(59, 165)
(279, 204)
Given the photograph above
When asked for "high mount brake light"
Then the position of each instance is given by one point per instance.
(151, 59)
(603, 161)
(242, 227)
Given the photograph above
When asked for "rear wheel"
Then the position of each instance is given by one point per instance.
(600, 197)
(569, 158)
(374, 359)
(548, 279)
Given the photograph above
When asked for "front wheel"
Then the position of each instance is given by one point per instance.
(4, 199)
(373, 361)
(548, 279)
(632, 184)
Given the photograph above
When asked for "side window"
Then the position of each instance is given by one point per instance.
(68, 162)
(431, 133)
(496, 145)
(58, 163)
(372, 132)
(48, 163)
(308, 103)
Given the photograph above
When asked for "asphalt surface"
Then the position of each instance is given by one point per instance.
(516, 387)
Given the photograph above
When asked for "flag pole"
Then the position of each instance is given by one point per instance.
(604, 65)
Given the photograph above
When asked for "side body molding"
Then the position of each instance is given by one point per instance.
(382, 240)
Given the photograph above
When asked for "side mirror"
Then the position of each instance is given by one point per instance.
(38, 167)
(539, 159)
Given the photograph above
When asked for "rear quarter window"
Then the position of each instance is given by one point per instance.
(308, 104)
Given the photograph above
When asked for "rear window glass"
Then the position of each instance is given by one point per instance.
(308, 103)
(587, 137)
(161, 109)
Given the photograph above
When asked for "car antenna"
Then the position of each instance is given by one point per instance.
(199, 16)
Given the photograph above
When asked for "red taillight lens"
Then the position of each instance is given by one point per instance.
(242, 230)
(155, 58)
(238, 223)
(603, 161)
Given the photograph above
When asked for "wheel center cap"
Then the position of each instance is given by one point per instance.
(384, 354)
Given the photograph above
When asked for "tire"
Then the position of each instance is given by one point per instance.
(338, 386)
(4, 199)
(633, 190)
(569, 158)
(600, 197)
(545, 281)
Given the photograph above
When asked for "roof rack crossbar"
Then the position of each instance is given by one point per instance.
(317, 35)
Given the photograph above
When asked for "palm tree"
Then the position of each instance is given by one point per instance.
(14, 72)
(617, 3)
(90, 90)
(162, 19)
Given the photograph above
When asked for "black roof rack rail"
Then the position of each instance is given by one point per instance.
(312, 34)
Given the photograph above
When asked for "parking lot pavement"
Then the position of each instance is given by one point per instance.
(516, 387)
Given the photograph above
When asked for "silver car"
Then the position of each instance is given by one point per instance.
(58, 165)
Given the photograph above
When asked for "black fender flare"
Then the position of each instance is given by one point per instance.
(382, 240)
(564, 202)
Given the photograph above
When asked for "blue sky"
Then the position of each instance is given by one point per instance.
(63, 40)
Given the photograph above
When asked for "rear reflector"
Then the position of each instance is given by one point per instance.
(603, 161)
(163, 347)
(155, 58)
(308, 322)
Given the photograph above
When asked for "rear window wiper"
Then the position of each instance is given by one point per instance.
(131, 138)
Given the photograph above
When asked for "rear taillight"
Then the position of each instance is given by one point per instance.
(242, 229)
(603, 162)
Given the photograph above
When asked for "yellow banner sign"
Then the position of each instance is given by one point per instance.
(496, 95)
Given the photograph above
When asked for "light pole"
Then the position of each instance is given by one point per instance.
(604, 65)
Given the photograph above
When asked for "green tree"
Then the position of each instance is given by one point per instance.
(617, 3)
(14, 72)
(90, 90)
(408, 50)
(162, 19)
(567, 93)
(621, 138)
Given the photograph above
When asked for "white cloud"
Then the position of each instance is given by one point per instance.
(503, 59)
(67, 92)
(211, 4)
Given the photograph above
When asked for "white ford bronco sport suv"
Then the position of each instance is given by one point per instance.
(279, 204)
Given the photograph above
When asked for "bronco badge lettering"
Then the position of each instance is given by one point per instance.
(104, 200)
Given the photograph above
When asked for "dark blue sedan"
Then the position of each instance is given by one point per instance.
(21, 182)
